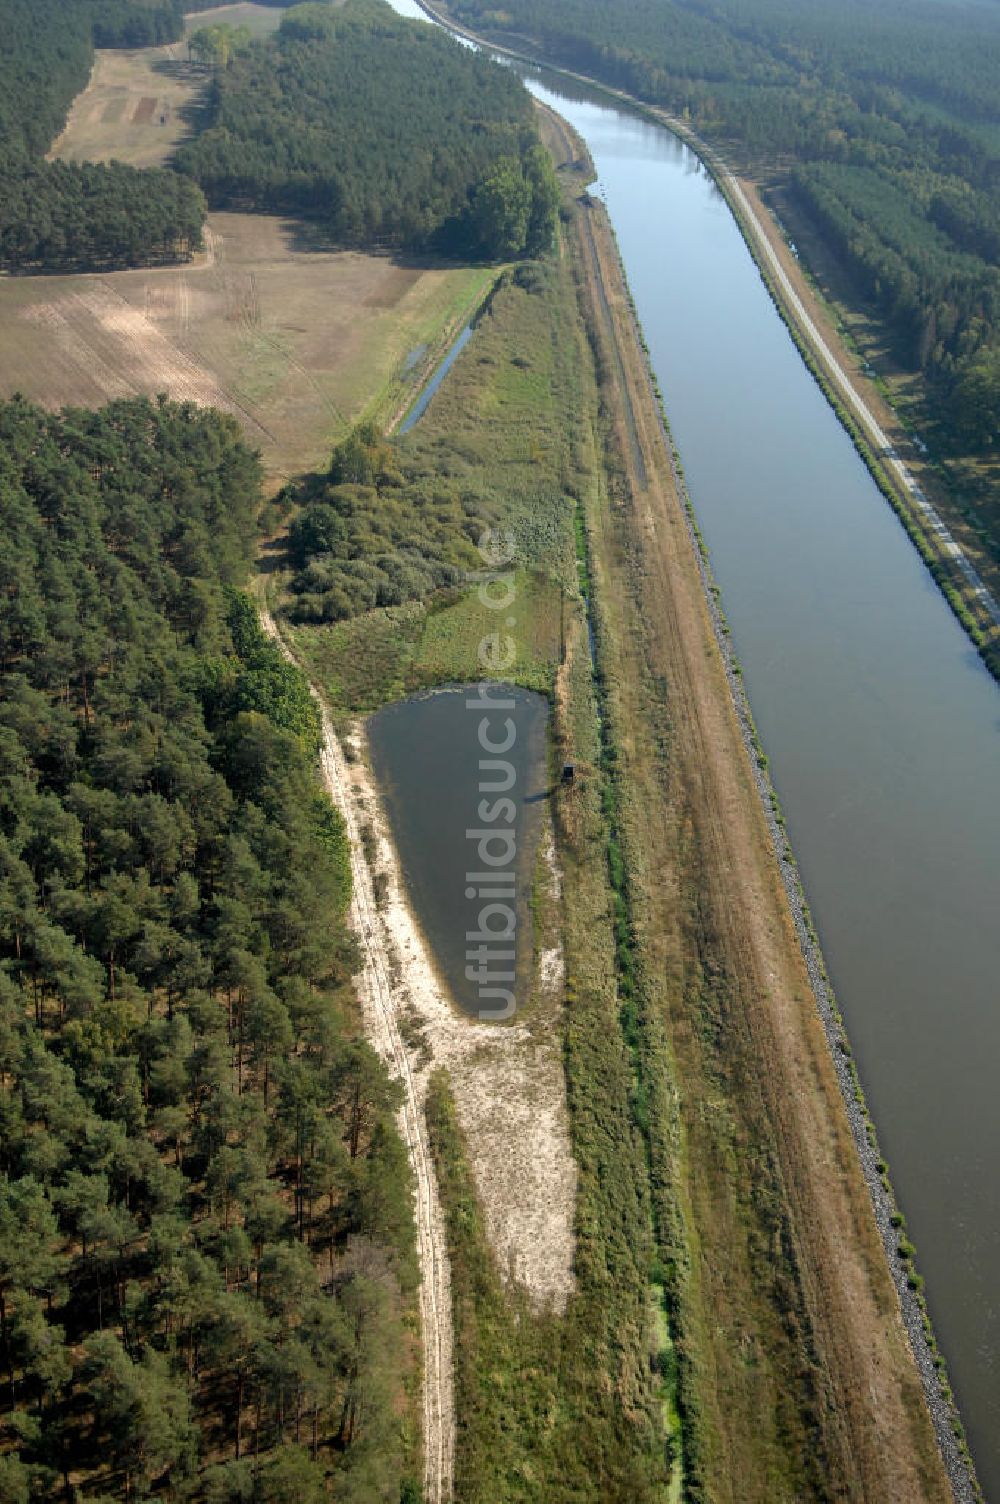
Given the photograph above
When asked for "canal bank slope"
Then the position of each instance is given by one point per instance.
(788, 1320)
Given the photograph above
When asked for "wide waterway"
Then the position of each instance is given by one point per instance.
(882, 726)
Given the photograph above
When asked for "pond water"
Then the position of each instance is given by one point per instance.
(464, 774)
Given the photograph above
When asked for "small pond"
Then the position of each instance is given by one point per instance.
(464, 775)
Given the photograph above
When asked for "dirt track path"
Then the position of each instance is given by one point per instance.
(379, 1009)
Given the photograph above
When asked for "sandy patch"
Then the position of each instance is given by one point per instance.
(507, 1080)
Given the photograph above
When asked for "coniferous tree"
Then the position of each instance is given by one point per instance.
(187, 1113)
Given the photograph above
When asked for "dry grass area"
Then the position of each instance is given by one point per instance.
(260, 19)
(295, 342)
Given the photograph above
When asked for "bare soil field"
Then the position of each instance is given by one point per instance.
(295, 342)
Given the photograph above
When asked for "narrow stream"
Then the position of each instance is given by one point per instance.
(882, 726)
(423, 402)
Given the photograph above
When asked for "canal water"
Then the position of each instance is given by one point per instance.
(464, 781)
(882, 726)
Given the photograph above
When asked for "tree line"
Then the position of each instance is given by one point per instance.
(881, 120)
(384, 131)
(206, 1242)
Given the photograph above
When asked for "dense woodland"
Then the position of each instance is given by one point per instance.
(383, 131)
(370, 536)
(62, 214)
(206, 1254)
(885, 120)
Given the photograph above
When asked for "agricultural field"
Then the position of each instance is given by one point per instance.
(293, 338)
(295, 342)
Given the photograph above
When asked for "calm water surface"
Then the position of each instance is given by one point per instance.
(423, 402)
(428, 757)
(882, 727)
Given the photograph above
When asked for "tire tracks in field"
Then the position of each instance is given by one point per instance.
(151, 355)
(375, 983)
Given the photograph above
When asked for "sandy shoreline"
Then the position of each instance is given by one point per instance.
(507, 1079)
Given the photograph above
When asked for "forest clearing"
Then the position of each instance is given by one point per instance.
(137, 106)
